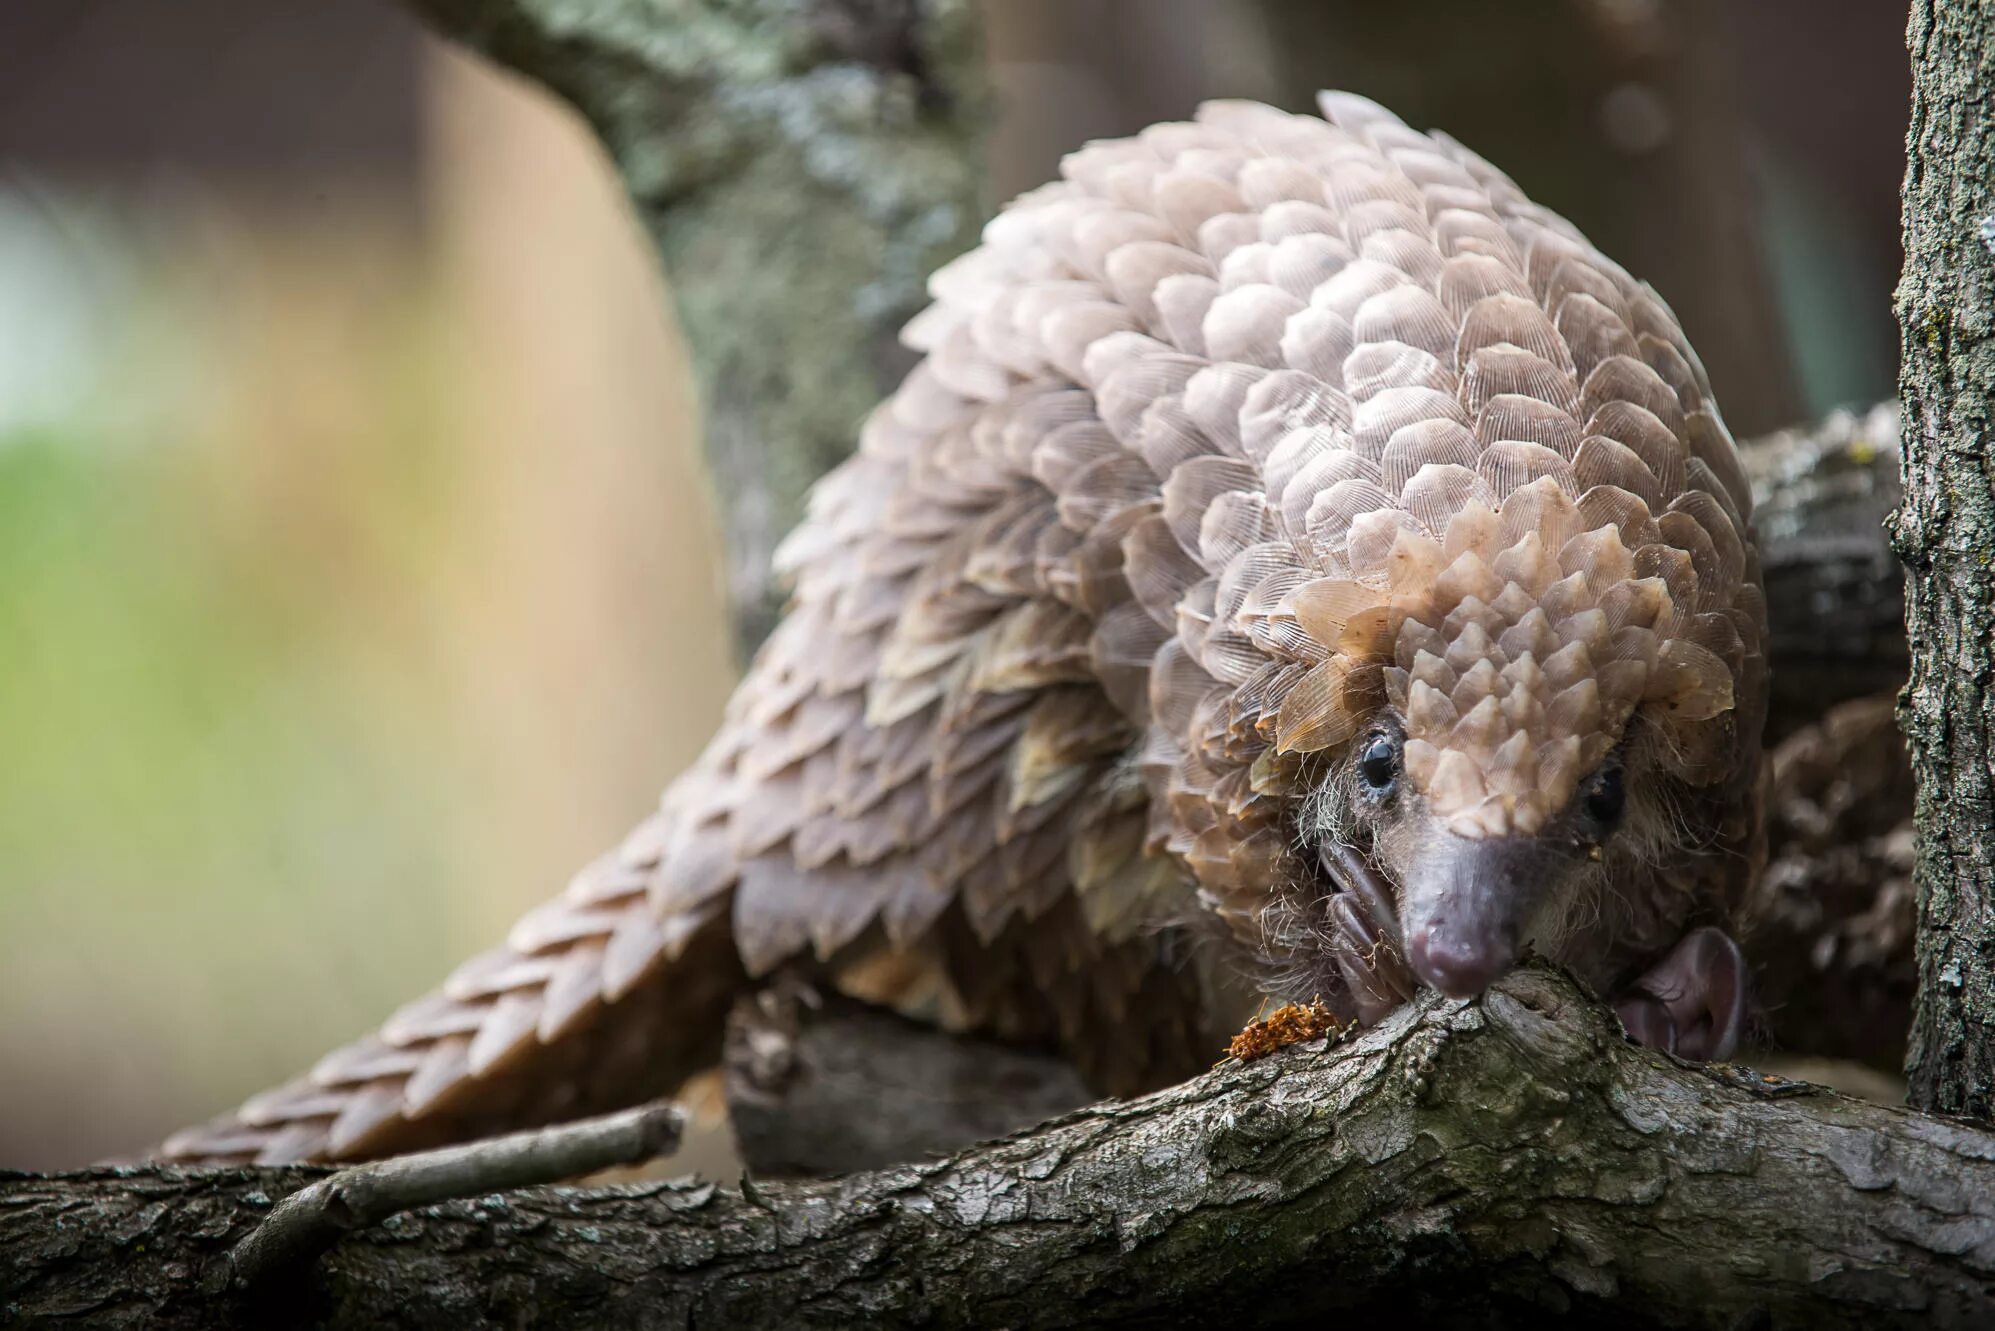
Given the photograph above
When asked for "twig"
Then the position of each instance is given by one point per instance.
(312, 1219)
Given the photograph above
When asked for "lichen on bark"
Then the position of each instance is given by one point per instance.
(1945, 532)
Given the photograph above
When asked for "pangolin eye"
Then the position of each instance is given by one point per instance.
(1606, 798)
(1378, 764)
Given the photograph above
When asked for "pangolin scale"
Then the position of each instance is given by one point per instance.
(1289, 526)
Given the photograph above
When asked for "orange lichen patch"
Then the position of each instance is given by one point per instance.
(1283, 1027)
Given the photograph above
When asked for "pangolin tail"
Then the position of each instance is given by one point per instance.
(597, 1000)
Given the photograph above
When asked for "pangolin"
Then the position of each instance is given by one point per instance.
(1290, 528)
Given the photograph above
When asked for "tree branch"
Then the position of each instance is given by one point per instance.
(1517, 1154)
(801, 167)
(1835, 593)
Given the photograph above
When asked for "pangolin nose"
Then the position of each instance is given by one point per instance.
(1458, 964)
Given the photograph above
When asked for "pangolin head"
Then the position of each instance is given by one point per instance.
(1454, 550)
(1498, 685)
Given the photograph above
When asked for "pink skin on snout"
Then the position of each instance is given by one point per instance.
(1467, 904)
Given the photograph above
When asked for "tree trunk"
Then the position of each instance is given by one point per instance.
(801, 166)
(1946, 534)
(1515, 1156)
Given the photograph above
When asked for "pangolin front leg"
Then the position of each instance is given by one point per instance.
(1364, 938)
(1692, 1003)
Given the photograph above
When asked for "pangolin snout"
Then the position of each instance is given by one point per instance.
(1460, 963)
(1467, 903)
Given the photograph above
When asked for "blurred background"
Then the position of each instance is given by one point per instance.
(359, 569)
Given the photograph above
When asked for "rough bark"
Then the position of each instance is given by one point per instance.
(1946, 535)
(1515, 1156)
(801, 167)
(312, 1219)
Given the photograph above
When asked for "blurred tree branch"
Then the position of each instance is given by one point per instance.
(1835, 593)
(801, 167)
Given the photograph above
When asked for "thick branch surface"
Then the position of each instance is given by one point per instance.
(1516, 1156)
